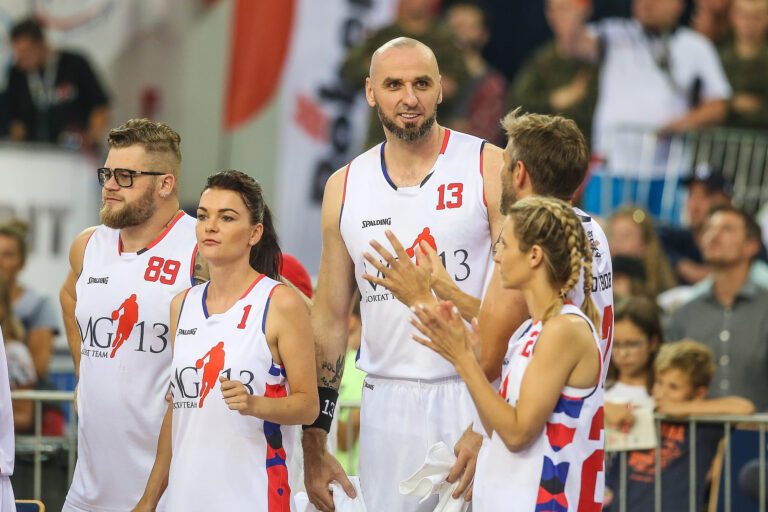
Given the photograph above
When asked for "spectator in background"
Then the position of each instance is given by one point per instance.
(34, 310)
(351, 390)
(632, 233)
(707, 188)
(711, 19)
(556, 80)
(54, 96)
(21, 369)
(629, 278)
(480, 101)
(745, 60)
(682, 373)
(416, 19)
(729, 316)
(653, 73)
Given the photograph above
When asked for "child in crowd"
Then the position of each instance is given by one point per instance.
(683, 371)
(637, 335)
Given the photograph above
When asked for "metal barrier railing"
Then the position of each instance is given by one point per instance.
(728, 422)
(40, 443)
(653, 161)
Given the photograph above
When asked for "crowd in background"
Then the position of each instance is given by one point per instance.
(667, 65)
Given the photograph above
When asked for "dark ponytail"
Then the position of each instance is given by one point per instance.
(265, 255)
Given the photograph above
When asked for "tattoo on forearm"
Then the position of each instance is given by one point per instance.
(335, 371)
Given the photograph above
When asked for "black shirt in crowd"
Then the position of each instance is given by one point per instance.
(55, 100)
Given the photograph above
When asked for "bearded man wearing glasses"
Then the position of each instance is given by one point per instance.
(116, 306)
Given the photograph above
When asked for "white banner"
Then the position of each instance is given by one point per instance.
(322, 125)
(57, 193)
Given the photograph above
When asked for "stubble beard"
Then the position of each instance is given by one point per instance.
(411, 132)
(508, 195)
(130, 214)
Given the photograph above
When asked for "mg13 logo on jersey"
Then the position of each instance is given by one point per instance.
(191, 385)
(458, 261)
(101, 338)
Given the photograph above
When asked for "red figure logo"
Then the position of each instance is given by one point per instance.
(424, 236)
(212, 369)
(127, 321)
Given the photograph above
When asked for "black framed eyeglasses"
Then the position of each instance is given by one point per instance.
(123, 177)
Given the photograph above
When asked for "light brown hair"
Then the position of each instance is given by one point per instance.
(553, 150)
(554, 226)
(10, 326)
(658, 269)
(158, 139)
(17, 229)
(691, 358)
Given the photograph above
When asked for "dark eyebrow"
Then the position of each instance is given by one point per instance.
(222, 210)
(388, 80)
(423, 78)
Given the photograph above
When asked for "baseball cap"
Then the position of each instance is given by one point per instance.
(711, 177)
(292, 270)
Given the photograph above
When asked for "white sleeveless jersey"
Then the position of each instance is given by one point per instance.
(602, 284)
(562, 470)
(448, 211)
(122, 312)
(223, 460)
(7, 446)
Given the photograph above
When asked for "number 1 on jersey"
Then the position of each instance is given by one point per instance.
(246, 311)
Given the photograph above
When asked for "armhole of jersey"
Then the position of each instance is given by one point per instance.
(596, 339)
(482, 176)
(183, 301)
(192, 268)
(344, 194)
(266, 308)
(85, 249)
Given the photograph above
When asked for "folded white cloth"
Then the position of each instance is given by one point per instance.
(341, 501)
(430, 478)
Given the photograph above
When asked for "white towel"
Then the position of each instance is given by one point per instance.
(430, 478)
(341, 501)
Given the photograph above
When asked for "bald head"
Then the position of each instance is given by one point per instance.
(423, 54)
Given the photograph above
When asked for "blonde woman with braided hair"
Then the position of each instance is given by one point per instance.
(543, 445)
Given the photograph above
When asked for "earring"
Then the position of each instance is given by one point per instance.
(251, 243)
(164, 194)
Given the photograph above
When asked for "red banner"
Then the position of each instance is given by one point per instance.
(261, 33)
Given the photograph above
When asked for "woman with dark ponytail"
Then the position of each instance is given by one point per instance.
(243, 365)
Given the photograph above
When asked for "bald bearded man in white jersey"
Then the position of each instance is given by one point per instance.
(546, 156)
(116, 306)
(426, 185)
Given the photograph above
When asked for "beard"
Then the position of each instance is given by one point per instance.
(508, 193)
(130, 214)
(411, 132)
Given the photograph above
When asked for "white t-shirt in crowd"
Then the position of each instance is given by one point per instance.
(621, 393)
(634, 88)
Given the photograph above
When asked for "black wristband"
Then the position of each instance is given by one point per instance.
(328, 398)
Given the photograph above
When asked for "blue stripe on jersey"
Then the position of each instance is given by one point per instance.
(264, 319)
(205, 292)
(571, 407)
(384, 168)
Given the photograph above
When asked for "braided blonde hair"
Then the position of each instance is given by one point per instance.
(554, 226)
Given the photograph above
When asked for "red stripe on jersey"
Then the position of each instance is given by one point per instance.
(344, 194)
(445, 141)
(482, 147)
(252, 285)
(571, 397)
(166, 230)
(192, 267)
